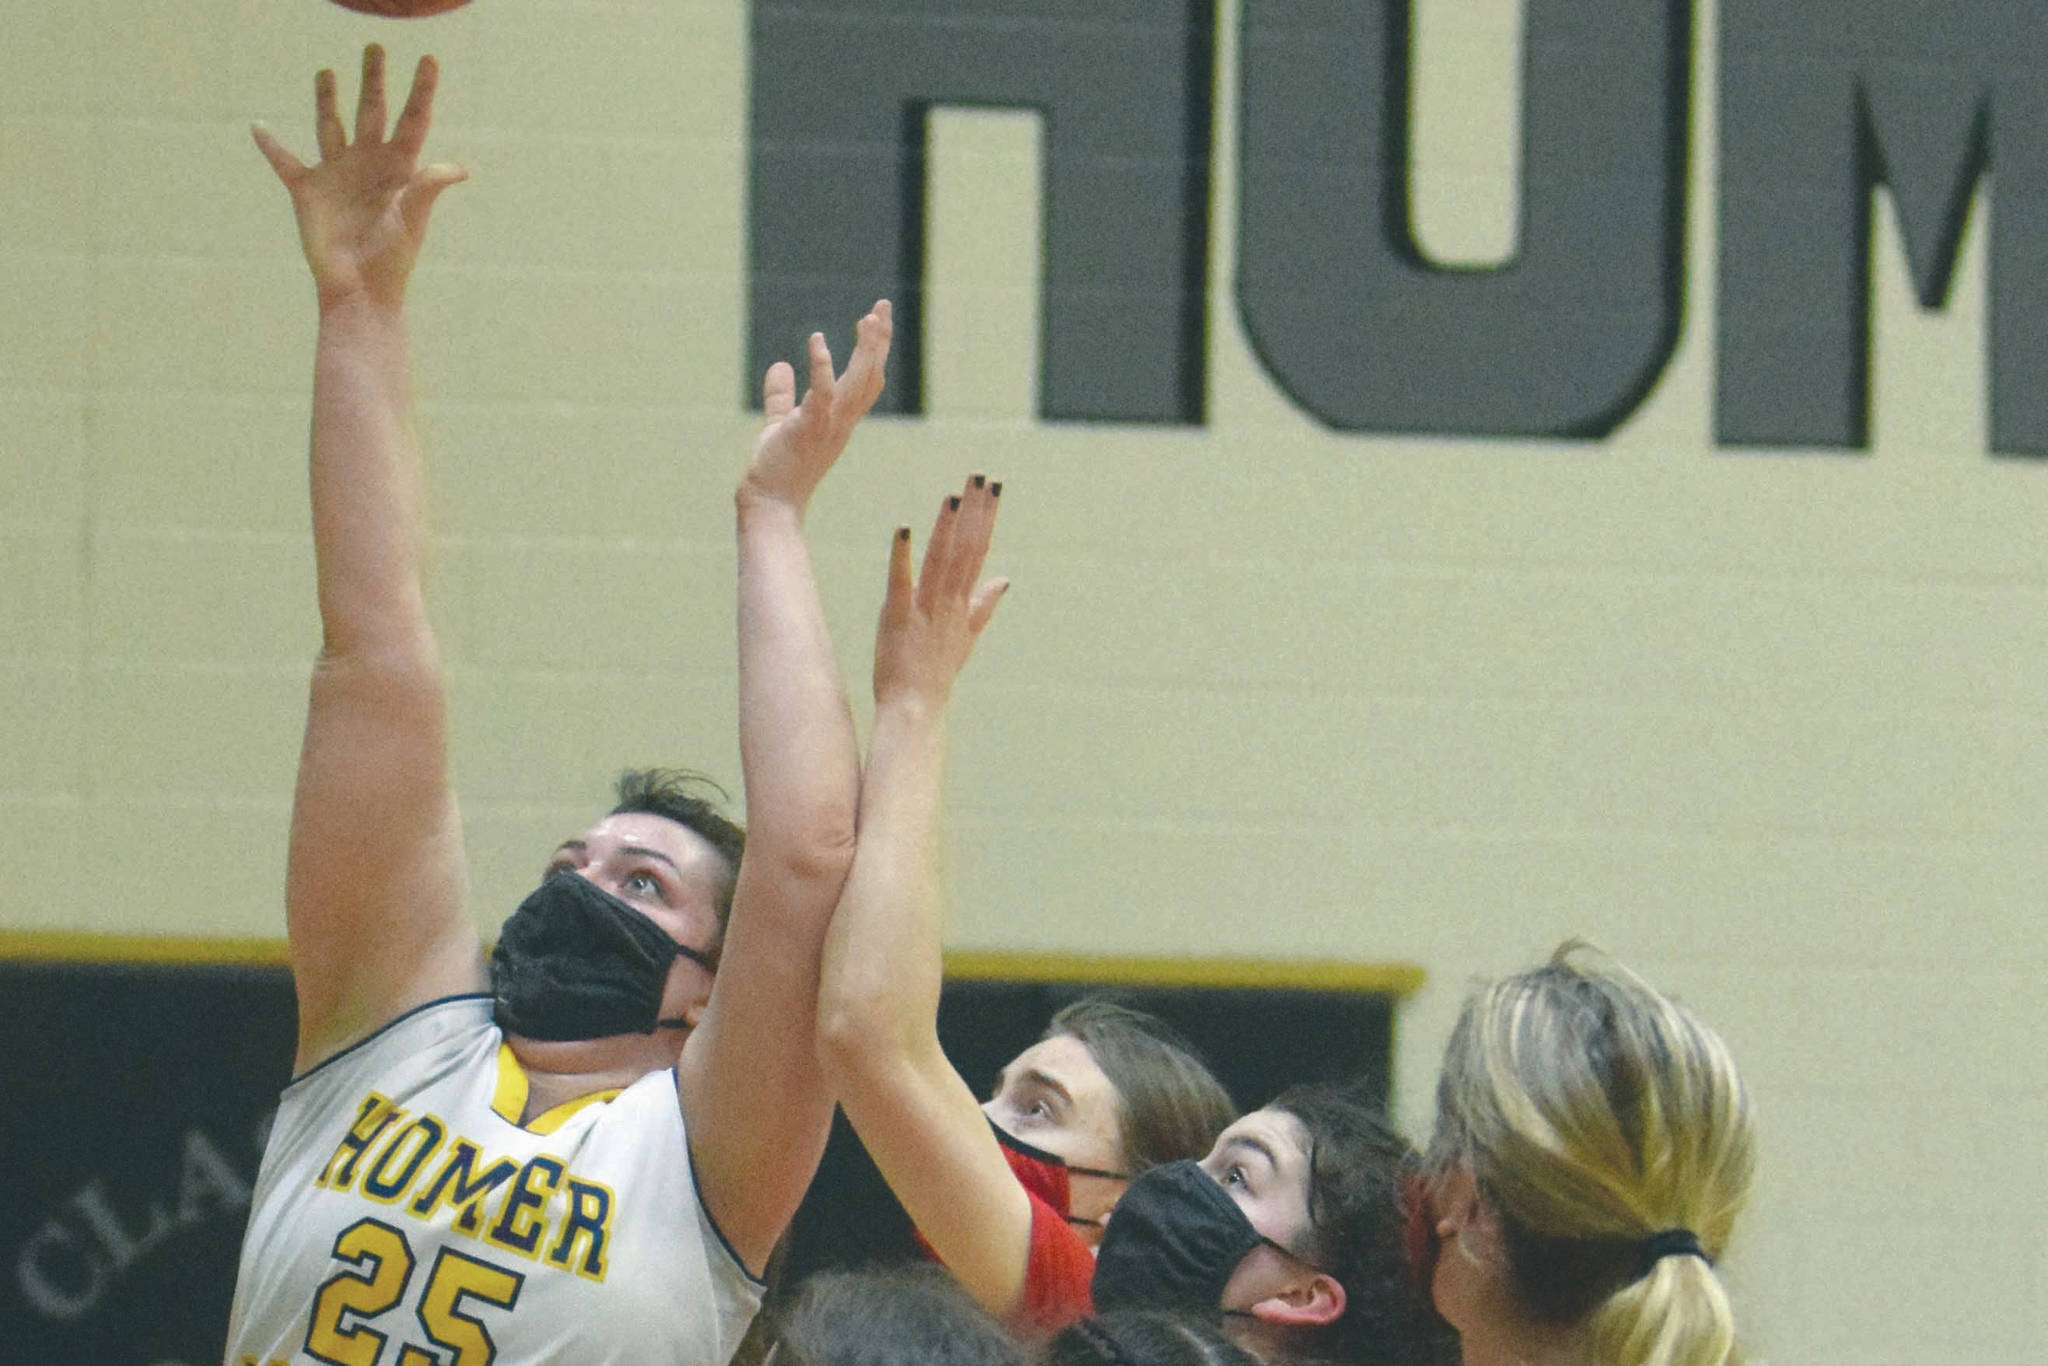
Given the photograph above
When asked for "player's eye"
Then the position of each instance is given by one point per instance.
(1233, 1175)
(642, 884)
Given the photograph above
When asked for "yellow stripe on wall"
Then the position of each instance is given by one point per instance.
(59, 947)
(1397, 979)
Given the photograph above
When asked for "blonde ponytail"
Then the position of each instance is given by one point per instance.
(1603, 1123)
(1677, 1315)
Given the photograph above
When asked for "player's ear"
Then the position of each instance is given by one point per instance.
(1454, 1200)
(1312, 1303)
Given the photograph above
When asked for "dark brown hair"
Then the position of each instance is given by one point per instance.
(687, 799)
(1362, 1178)
(1144, 1337)
(885, 1318)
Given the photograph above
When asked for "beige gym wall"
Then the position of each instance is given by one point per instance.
(1765, 725)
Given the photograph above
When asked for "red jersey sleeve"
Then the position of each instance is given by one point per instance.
(1057, 1273)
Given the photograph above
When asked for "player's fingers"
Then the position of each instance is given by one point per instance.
(778, 390)
(327, 127)
(936, 552)
(288, 167)
(417, 200)
(971, 532)
(370, 97)
(982, 605)
(409, 135)
(896, 602)
(819, 391)
(866, 369)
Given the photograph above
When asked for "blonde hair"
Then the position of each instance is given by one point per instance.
(1595, 1114)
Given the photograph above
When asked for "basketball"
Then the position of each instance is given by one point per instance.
(401, 9)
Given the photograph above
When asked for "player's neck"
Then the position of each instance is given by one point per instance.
(1498, 1342)
(559, 1071)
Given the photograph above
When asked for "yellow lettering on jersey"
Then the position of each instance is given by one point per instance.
(580, 1244)
(460, 1186)
(376, 1113)
(498, 1200)
(520, 1220)
(401, 1158)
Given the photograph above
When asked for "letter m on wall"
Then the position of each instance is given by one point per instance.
(841, 94)
(1822, 100)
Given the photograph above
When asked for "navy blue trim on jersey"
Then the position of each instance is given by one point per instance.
(385, 1028)
(690, 1160)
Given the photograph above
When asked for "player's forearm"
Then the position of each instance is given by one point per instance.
(368, 520)
(756, 1098)
(797, 749)
(878, 1020)
(883, 965)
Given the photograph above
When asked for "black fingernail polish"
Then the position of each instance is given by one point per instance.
(902, 533)
(995, 490)
(953, 503)
(980, 480)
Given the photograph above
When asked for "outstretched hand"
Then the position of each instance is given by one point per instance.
(930, 624)
(363, 208)
(799, 441)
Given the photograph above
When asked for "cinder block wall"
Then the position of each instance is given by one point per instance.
(1764, 724)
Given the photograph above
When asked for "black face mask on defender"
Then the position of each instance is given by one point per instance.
(1173, 1243)
(575, 962)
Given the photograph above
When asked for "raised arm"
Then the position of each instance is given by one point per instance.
(753, 1095)
(879, 998)
(374, 881)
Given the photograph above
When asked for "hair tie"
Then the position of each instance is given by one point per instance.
(1672, 1242)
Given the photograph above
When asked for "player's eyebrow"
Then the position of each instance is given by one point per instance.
(1254, 1144)
(1037, 1077)
(643, 851)
(1049, 1082)
(637, 850)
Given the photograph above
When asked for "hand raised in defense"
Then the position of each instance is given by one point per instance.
(930, 624)
(363, 208)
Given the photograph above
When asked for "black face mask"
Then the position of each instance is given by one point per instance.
(1172, 1243)
(575, 962)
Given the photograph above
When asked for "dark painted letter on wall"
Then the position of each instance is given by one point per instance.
(841, 90)
(1820, 102)
(1563, 340)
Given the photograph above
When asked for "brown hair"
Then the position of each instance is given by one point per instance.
(1169, 1105)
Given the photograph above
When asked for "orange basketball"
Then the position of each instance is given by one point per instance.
(401, 9)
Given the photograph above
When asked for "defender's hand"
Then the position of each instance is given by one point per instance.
(363, 209)
(930, 624)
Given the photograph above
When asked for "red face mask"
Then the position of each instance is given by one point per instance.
(1046, 1175)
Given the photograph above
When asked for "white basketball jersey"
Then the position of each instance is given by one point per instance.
(404, 1217)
